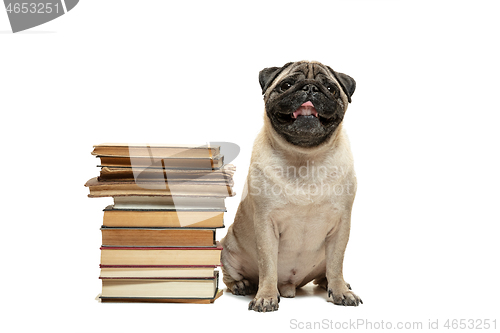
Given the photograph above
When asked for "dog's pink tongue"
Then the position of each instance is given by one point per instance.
(306, 109)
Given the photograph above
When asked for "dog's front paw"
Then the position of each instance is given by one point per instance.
(264, 303)
(343, 296)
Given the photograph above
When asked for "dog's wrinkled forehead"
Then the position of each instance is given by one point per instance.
(302, 70)
(310, 70)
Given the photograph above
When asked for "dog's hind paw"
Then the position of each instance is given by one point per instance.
(287, 290)
(323, 283)
(242, 287)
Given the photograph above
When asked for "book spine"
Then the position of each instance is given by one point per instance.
(159, 266)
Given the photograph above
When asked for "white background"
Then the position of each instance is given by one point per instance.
(423, 126)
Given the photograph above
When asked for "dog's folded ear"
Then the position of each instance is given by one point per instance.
(267, 76)
(346, 82)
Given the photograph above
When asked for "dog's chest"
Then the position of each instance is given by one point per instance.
(304, 226)
(302, 233)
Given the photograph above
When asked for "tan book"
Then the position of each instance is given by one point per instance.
(159, 300)
(179, 203)
(156, 272)
(162, 218)
(158, 256)
(156, 237)
(222, 175)
(160, 288)
(155, 150)
(125, 188)
(214, 162)
(171, 183)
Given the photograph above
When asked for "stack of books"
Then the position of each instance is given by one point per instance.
(159, 237)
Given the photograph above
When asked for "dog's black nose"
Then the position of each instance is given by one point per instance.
(310, 88)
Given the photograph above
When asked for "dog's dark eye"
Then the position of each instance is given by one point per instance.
(331, 89)
(285, 86)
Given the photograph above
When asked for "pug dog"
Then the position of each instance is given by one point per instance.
(293, 224)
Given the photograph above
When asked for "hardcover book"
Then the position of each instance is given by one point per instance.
(157, 237)
(211, 163)
(156, 272)
(172, 203)
(156, 150)
(155, 218)
(161, 188)
(218, 294)
(161, 256)
(196, 287)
